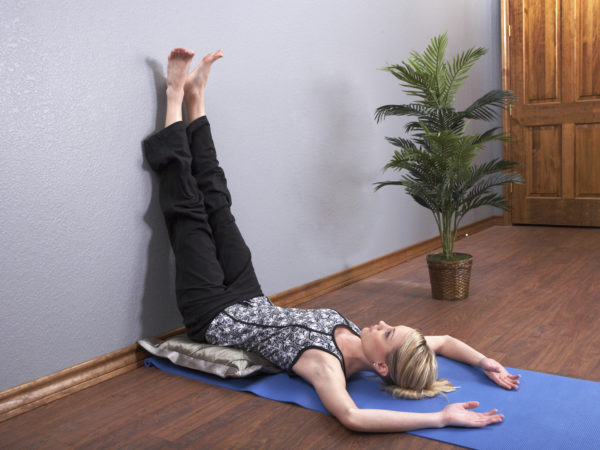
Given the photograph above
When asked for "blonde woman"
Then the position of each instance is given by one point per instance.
(222, 303)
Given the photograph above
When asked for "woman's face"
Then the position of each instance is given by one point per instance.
(380, 339)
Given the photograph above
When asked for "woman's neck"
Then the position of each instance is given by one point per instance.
(351, 348)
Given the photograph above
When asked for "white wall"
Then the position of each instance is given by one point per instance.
(86, 266)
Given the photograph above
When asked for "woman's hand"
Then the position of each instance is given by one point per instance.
(498, 374)
(459, 415)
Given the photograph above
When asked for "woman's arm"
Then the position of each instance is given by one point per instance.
(328, 380)
(333, 394)
(455, 349)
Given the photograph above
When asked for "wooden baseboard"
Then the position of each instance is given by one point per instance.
(39, 392)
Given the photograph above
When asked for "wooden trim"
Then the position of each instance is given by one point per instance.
(504, 28)
(39, 392)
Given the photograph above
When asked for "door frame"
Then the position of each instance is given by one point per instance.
(505, 36)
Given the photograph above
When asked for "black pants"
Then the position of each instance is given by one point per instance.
(213, 263)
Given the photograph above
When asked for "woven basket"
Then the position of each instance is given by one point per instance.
(449, 279)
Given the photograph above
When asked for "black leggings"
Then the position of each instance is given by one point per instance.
(213, 263)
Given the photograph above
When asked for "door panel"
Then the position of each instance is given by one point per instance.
(587, 160)
(588, 50)
(545, 165)
(554, 69)
(541, 54)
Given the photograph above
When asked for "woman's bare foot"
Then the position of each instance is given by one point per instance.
(197, 79)
(195, 84)
(179, 61)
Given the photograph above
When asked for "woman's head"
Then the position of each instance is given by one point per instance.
(380, 339)
(404, 360)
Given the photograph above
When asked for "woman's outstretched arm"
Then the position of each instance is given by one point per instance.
(332, 391)
(330, 384)
(455, 349)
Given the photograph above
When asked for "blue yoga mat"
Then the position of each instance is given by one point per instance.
(547, 412)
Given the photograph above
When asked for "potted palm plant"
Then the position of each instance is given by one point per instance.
(437, 155)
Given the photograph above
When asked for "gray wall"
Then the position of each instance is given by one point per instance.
(86, 266)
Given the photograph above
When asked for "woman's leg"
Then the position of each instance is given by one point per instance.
(200, 288)
(232, 252)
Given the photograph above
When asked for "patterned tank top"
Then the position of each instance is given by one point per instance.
(280, 335)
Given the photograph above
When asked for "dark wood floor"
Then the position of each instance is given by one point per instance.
(534, 304)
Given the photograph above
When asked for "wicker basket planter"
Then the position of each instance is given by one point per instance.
(450, 279)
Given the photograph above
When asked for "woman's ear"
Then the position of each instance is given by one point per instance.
(381, 368)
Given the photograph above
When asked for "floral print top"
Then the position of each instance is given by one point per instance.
(280, 335)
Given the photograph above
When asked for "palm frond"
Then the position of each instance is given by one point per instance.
(491, 135)
(416, 83)
(456, 72)
(480, 171)
(399, 110)
(431, 63)
(486, 106)
(479, 193)
(380, 184)
(401, 142)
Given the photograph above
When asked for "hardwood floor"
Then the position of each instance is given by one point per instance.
(534, 304)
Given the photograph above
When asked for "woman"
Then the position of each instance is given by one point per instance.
(222, 303)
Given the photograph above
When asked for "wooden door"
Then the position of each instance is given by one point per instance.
(551, 60)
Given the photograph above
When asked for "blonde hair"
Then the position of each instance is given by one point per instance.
(413, 370)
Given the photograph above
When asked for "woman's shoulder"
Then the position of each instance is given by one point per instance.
(316, 364)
